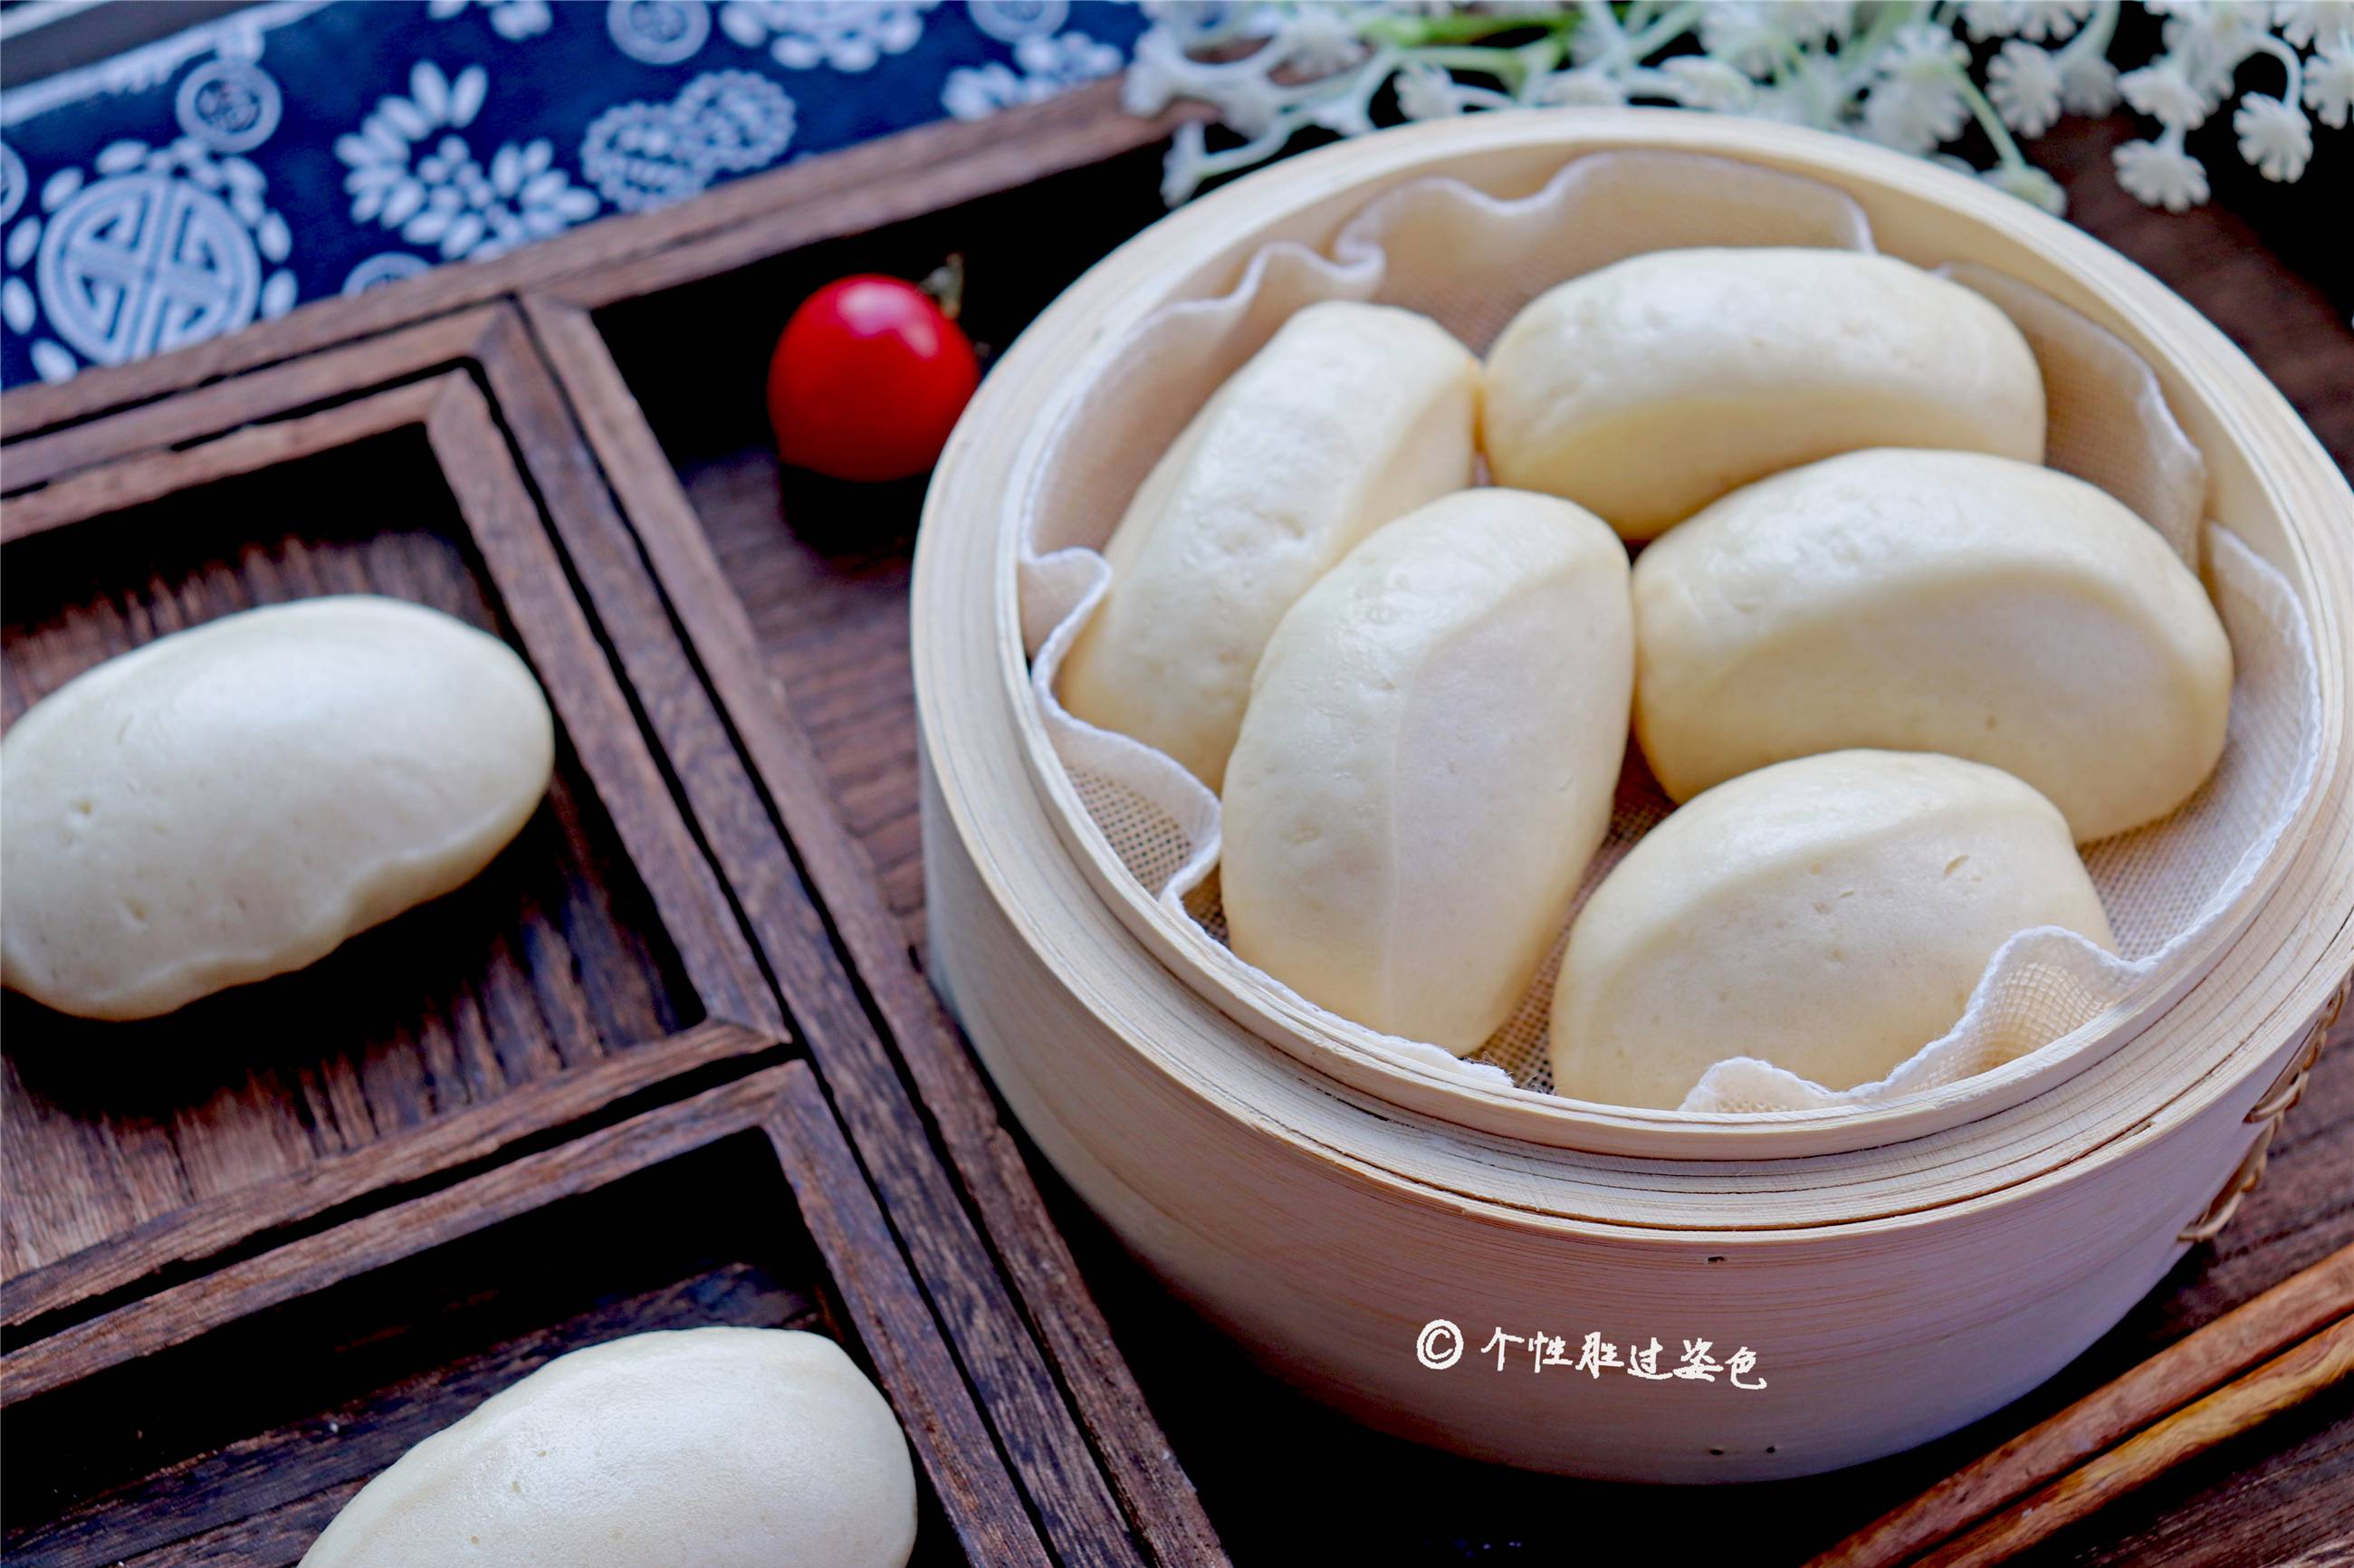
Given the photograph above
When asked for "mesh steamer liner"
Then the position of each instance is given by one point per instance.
(1324, 1197)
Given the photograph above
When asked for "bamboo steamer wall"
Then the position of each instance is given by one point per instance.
(1898, 1273)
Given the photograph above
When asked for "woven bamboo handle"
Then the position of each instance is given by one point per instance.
(2286, 1090)
(2201, 1362)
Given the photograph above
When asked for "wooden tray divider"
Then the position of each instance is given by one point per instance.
(219, 1231)
(440, 368)
(328, 376)
(766, 858)
(100, 443)
(1150, 1482)
(896, 1330)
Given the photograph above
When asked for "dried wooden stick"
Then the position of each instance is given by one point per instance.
(2196, 1364)
(2287, 1379)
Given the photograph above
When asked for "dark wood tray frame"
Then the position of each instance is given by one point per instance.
(948, 1080)
(1103, 1482)
(504, 526)
(880, 1312)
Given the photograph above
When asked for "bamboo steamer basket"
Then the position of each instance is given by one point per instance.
(1899, 1271)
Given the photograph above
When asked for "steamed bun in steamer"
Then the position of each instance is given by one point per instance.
(1651, 387)
(1933, 602)
(1350, 416)
(1830, 915)
(1427, 763)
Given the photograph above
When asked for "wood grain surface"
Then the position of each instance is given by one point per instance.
(1019, 1385)
(594, 958)
(249, 423)
(824, 597)
(379, 1332)
(1149, 1484)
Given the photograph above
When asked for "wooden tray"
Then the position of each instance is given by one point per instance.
(596, 958)
(227, 1419)
(527, 462)
(802, 630)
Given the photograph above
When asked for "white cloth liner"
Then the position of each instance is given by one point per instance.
(1471, 260)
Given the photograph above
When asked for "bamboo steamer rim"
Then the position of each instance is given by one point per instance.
(1992, 1134)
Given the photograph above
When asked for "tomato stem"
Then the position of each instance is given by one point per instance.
(945, 284)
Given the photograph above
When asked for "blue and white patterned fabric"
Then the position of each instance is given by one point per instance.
(303, 149)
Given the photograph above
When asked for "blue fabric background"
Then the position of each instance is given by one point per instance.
(299, 150)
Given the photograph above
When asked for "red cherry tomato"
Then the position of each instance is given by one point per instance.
(868, 379)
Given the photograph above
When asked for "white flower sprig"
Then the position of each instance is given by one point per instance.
(1899, 72)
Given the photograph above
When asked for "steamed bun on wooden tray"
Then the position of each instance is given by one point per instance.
(1427, 763)
(1647, 390)
(235, 800)
(1830, 915)
(721, 1447)
(1933, 602)
(1350, 416)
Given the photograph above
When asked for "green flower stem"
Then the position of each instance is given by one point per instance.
(1465, 28)
(1657, 36)
(2280, 51)
(2006, 150)
(1248, 154)
(1515, 68)
(2094, 36)
(1855, 56)
(1508, 66)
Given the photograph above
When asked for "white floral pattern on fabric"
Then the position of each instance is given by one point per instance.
(166, 246)
(642, 156)
(1049, 65)
(746, 120)
(638, 157)
(513, 20)
(848, 35)
(384, 266)
(12, 182)
(658, 32)
(504, 153)
(231, 106)
(413, 173)
(1011, 21)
